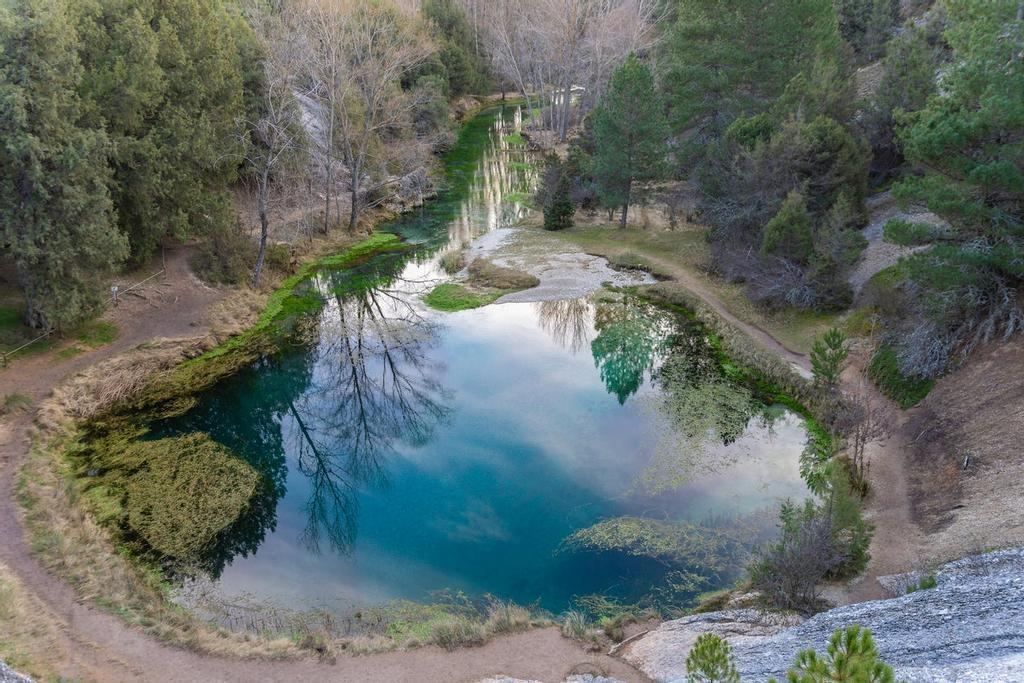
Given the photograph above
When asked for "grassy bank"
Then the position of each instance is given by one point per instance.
(669, 253)
(77, 523)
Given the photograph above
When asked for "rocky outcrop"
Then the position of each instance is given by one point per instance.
(9, 675)
(970, 627)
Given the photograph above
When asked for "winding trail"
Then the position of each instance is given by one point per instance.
(93, 644)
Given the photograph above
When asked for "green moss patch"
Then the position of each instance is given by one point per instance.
(188, 491)
(884, 371)
(451, 297)
(516, 139)
(487, 282)
(10, 318)
(70, 352)
(97, 333)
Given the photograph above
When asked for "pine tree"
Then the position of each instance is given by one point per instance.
(57, 223)
(790, 234)
(726, 58)
(827, 357)
(711, 661)
(968, 146)
(852, 656)
(557, 205)
(629, 135)
(166, 81)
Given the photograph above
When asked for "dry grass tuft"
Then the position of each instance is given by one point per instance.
(483, 273)
(507, 617)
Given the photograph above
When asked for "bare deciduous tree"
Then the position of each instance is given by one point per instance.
(548, 48)
(273, 139)
(357, 53)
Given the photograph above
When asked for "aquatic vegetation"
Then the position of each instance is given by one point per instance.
(692, 557)
(174, 496)
(671, 543)
(191, 490)
(487, 282)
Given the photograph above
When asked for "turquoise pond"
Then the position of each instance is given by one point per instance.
(406, 451)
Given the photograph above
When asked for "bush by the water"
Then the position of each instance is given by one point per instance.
(823, 539)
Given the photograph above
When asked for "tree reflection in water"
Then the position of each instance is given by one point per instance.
(630, 337)
(702, 409)
(373, 386)
(570, 322)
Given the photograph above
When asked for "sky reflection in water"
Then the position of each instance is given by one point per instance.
(411, 451)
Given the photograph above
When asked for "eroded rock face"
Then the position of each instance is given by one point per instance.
(661, 654)
(9, 675)
(970, 627)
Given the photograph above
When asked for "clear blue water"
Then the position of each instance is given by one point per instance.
(407, 451)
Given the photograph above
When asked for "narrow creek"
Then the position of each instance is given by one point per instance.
(539, 452)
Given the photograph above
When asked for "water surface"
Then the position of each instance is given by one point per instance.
(406, 451)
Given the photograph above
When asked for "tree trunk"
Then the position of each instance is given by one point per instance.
(353, 217)
(625, 206)
(566, 109)
(327, 198)
(329, 163)
(264, 229)
(33, 316)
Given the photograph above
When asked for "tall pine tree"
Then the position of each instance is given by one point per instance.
(57, 223)
(727, 58)
(166, 81)
(629, 135)
(968, 146)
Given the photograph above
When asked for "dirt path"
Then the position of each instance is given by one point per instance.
(89, 644)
